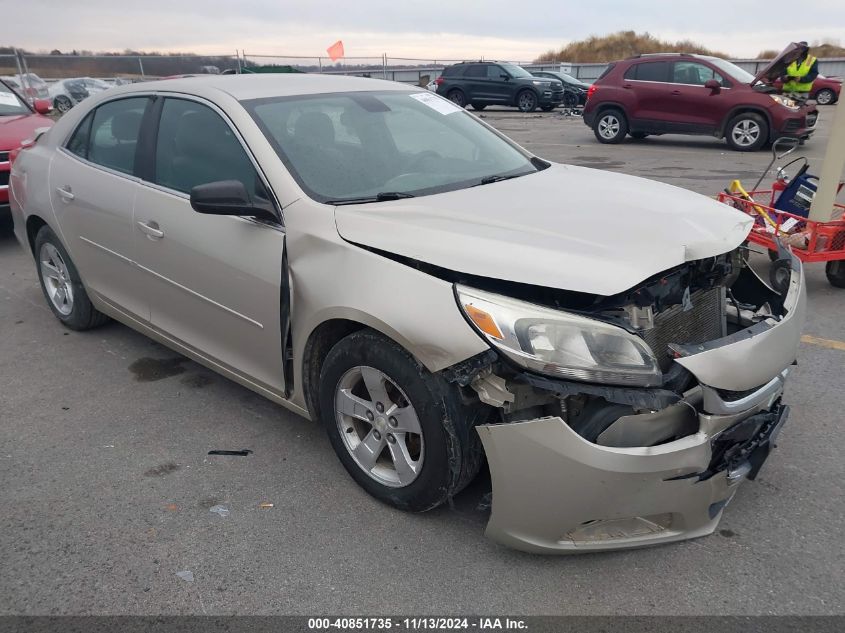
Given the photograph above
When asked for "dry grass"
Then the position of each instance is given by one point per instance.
(823, 50)
(620, 45)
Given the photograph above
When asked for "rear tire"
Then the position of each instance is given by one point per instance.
(610, 126)
(457, 97)
(62, 285)
(825, 96)
(434, 451)
(835, 272)
(747, 132)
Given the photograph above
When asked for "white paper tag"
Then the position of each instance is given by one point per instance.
(436, 103)
(786, 225)
(7, 98)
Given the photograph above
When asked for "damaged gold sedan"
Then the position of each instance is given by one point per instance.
(376, 258)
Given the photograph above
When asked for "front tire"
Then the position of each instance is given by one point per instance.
(547, 108)
(62, 285)
(62, 104)
(526, 101)
(835, 272)
(401, 432)
(610, 127)
(825, 96)
(479, 106)
(747, 132)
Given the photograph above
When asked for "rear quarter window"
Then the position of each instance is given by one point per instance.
(606, 70)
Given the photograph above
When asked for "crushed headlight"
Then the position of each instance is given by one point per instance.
(786, 101)
(559, 343)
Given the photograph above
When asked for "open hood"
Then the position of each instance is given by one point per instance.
(565, 227)
(777, 67)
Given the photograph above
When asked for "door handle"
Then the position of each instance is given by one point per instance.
(65, 193)
(676, 92)
(629, 86)
(152, 230)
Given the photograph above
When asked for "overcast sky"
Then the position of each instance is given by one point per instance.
(413, 28)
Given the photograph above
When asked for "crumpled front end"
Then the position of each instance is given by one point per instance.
(582, 467)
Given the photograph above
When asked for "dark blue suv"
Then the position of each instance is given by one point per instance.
(498, 83)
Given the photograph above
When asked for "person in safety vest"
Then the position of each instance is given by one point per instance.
(800, 74)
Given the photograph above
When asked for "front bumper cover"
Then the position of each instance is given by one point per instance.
(555, 492)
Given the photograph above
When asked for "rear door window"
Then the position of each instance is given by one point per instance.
(649, 71)
(476, 71)
(112, 136)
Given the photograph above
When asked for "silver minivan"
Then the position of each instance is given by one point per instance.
(368, 254)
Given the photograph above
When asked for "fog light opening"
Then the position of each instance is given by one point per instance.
(598, 530)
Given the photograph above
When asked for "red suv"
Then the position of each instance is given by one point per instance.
(695, 94)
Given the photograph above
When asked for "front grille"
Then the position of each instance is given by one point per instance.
(705, 321)
(4, 157)
(4, 178)
(792, 125)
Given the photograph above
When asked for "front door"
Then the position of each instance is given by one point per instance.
(215, 280)
(700, 110)
(93, 190)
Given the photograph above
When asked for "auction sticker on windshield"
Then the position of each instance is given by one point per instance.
(436, 103)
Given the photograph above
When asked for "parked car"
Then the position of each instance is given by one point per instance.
(367, 254)
(574, 90)
(825, 90)
(696, 94)
(30, 85)
(66, 93)
(18, 122)
(498, 83)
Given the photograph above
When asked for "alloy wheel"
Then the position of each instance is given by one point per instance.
(527, 101)
(56, 279)
(745, 133)
(609, 126)
(379, 426)
(824, 97)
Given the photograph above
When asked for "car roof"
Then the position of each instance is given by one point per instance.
(257, 86)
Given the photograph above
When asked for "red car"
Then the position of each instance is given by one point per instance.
(18, 122)
(825, 89)
(676, 93)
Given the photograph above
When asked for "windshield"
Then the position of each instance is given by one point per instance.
(732, 70)
(10, 103)
(516, 71)
(354, 146)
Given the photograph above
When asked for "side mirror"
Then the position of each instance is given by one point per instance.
(42, 106)
(229, 197)
(713, 85)
(505, 76)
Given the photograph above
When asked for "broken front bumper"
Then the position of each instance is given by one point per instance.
(555, 492)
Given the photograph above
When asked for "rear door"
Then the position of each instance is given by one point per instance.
(649, 83)
(699, 110)
(215, 281)
(93, 187)
(476, 83)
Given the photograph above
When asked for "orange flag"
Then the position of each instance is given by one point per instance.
(335, 51)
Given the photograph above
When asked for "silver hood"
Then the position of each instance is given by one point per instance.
(565, 227)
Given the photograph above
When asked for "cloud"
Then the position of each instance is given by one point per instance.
(408, 28)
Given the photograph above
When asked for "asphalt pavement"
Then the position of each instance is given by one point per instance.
(107, 485)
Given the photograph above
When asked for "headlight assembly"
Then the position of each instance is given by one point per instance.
(785, 101)
(560, 343)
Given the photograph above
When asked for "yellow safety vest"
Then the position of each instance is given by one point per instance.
(795, 71)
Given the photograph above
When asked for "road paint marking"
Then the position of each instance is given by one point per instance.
(823, 342)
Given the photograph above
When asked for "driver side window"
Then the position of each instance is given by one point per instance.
(196, 146)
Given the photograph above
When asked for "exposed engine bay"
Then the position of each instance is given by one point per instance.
(677, 313)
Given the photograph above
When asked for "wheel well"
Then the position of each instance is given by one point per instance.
(320, 342)
(610, 106)
(33, 225)
(744, 110)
